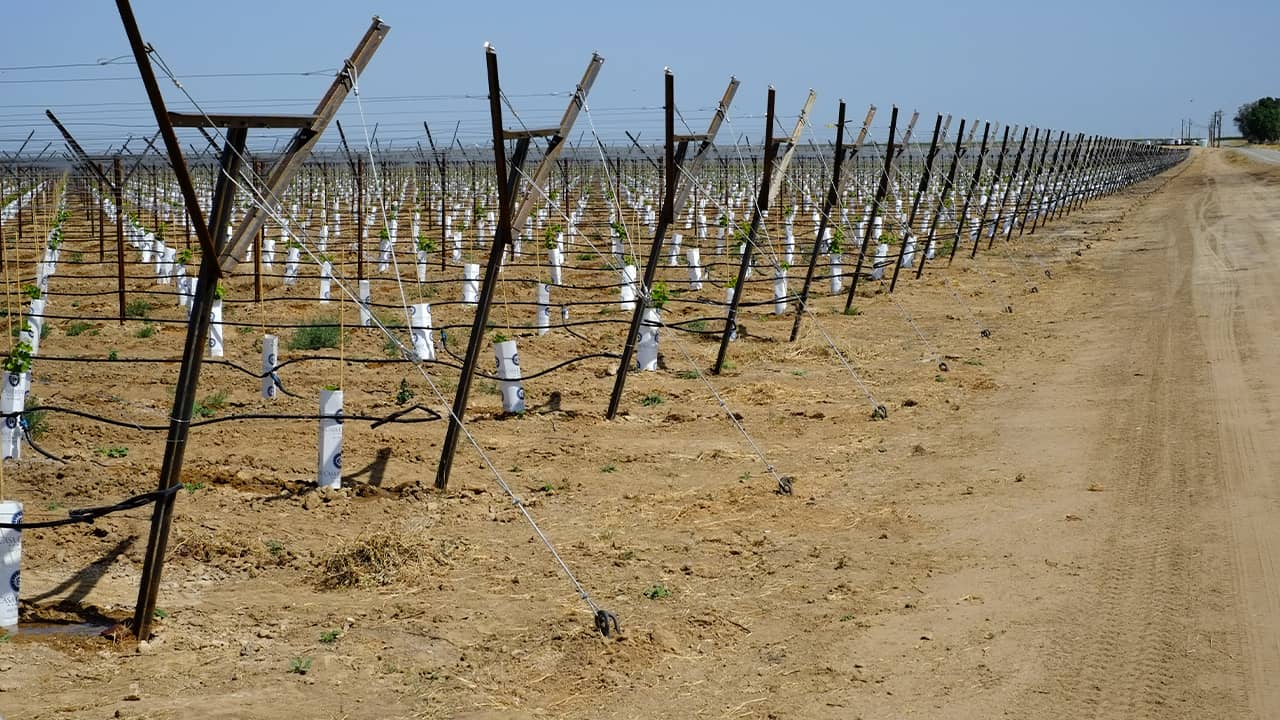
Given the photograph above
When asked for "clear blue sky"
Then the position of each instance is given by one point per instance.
(1122, 67)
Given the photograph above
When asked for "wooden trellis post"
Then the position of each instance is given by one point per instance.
(768, 188)
(828, 206)
(939, 133)
(675, 194)
(508, 174)
(219, 256)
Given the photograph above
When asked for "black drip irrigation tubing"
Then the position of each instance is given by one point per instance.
(340, 417)
(88, 515)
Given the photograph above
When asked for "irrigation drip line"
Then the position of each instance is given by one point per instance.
(88, 515)
(340, 417)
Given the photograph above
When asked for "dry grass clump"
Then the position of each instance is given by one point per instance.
(209, 546)
(378, 558)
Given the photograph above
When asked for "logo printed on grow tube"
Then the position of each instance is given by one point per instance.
(337, 460)
(13, 580)
(515, 359)
(17, 518)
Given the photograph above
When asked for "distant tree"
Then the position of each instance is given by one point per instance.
(1259, 121)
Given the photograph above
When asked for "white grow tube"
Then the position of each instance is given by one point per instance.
(329, 462)
(509, 376)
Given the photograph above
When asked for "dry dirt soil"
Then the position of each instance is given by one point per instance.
(1075, 520)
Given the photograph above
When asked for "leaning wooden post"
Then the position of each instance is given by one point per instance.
(891, 150)
(761, 207)
(973, 184)
(218, 257)
(1004, 198)
(947, 186)
(1024, 186)
(1055, 165)
(675, 194)
(1034, 196)
(360, 218)
(508, 175)
(938, 133)
(986, 206)
(828, 206)
(119, 201)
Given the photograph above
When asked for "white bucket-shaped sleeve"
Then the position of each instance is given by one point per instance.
(544, 308)
(877, 228)
(694, 257)
(329, 463)
(628, 288)
(837, 273)
(384, 255)
(470, 283)
(144, 248)
(728, 303)
(720, 240)
(509, 376)
(780, 291)
(673, 257)
(12, 399)
(323, 243)
(181, 284)
(422, 266)
(616, 247)
(192, 283)
(366, 299)
(457, 246)
(420, 329)
(215, 329)
(10, 565)
(555, 258)
(882, 259)
(37, 324)
(268, 252)
(647, 344)
(291, 265)
(270, 349)
(169, 266)
(326, 272)
(789, 246)
(909, 251)
(157, 255)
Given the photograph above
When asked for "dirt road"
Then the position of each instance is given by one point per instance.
(1077, 520)
(1165, 601)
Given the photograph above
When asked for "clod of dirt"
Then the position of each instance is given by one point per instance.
(1019, 477)
(1096, 487)
(918, 449)
(909, 403)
